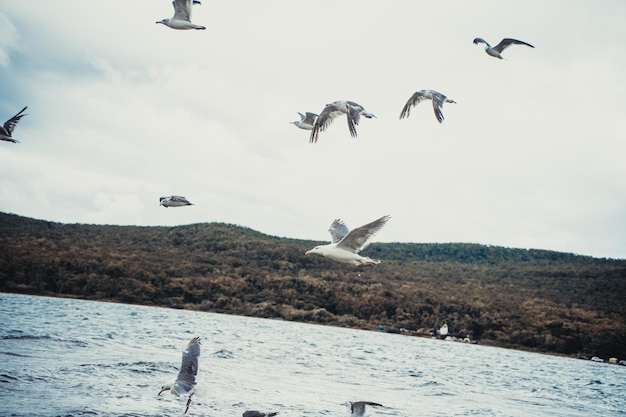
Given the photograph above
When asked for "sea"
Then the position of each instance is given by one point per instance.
(67, 357)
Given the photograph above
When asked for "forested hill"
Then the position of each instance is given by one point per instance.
(531, 299)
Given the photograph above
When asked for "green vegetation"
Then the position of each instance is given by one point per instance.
(528, 299)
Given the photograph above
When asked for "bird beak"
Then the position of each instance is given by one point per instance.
(307, 252)
(160, 391)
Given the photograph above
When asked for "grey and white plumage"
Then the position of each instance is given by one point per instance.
(6, 131)
(352, 110)
(306, 121)
(182, 16)
(357, 408)
(437, 98)
(174, 201)
(346, 244)
(255, 413)
(186, 380)
(496, 51)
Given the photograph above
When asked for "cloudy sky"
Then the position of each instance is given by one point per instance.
(122, 111)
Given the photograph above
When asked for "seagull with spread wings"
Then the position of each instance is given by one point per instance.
(352, 110)
(6, 130)
(186, 380)
(496, 51)
(306, 121)
(182, 16)
(174, 201)
(357, 408)
(437, 98)
(346, 244)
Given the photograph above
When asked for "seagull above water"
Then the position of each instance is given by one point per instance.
(357, 408)
(182, 16)
(7, 130)
(306, 122)
(437, 98)
(254, 413)
(346, 243)
(174, 201)
(497, 50)
(186, 379)
(352, 110)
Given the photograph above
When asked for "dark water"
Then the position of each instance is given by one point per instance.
(82, 358)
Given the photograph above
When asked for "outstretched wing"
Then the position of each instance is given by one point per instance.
(354, 117)
(189, 367)
(481, 40)
(179, 199)
(309, 118)
(413, 101)
(338, 230)
(324, 120)
(9, 125)
(182, 10)
(438, 100)
(358, 238)
(506, 42)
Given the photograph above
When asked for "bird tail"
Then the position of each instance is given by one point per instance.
(368, 114)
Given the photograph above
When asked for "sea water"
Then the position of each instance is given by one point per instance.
(64, 357)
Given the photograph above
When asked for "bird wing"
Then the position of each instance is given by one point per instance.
(9, 125)
(358, 238)
(179, 198)
(413, 101)
(182, 10)
(438, 100)
(338, 230)
(354, 117)
(481, 40)
(189, 367)
(506, 42)
(324, 120)
(301, 116)
(309, 118)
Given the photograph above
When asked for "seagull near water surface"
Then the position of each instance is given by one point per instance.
(346, 244)
(437, 98)
(496, 51)
(357, 408)
(306, 121)
(352, 110)
(186, 380)
(182, 16)
(6, 131)
(174, 201)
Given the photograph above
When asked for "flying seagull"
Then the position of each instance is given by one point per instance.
(346, 244)
(7, 130)
(306, 122)
(186, 379)
(254, 413)
(174, 201)
(357, 408)
(497, 50)
(182, 16)
(352, 110)
(437, 98)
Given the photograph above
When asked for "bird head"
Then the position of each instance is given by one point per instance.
(314, 250)
(164, 21)
(164, 388)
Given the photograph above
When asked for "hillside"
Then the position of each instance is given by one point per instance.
(529, 299)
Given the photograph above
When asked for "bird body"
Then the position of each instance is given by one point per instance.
(6, 131)
(437, 98)
(346, 243)
(357, 408)
(352, 110)
(497, 50)
(306, 121)
(186, 380)
(182, 16)
(255, 413)
(174, 201)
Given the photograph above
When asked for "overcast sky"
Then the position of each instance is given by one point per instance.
(123, 111)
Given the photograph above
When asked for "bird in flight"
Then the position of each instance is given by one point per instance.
(496, 51)
(437, 98)
(182, 16)
(352, 110)
(186, 380)
(174, 201)
(306, 121)
(6, 131)
(357, 408)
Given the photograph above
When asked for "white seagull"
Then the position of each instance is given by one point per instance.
(182, 16)
(437, 98)
(186, 379)
(357, 408)
(255, 413)
(346, 244)
(497, 50)
(352, 110)
(306, 122)
(174, 201)
(7, 130)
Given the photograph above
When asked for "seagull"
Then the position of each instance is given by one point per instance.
(306, 122)
(497, 50)
(174, 201)
(186, 379)
(182, 16)
(357, 408)
(352, 110)
(254, 413)
(9, 125)
(346, 244)
(437, 98)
